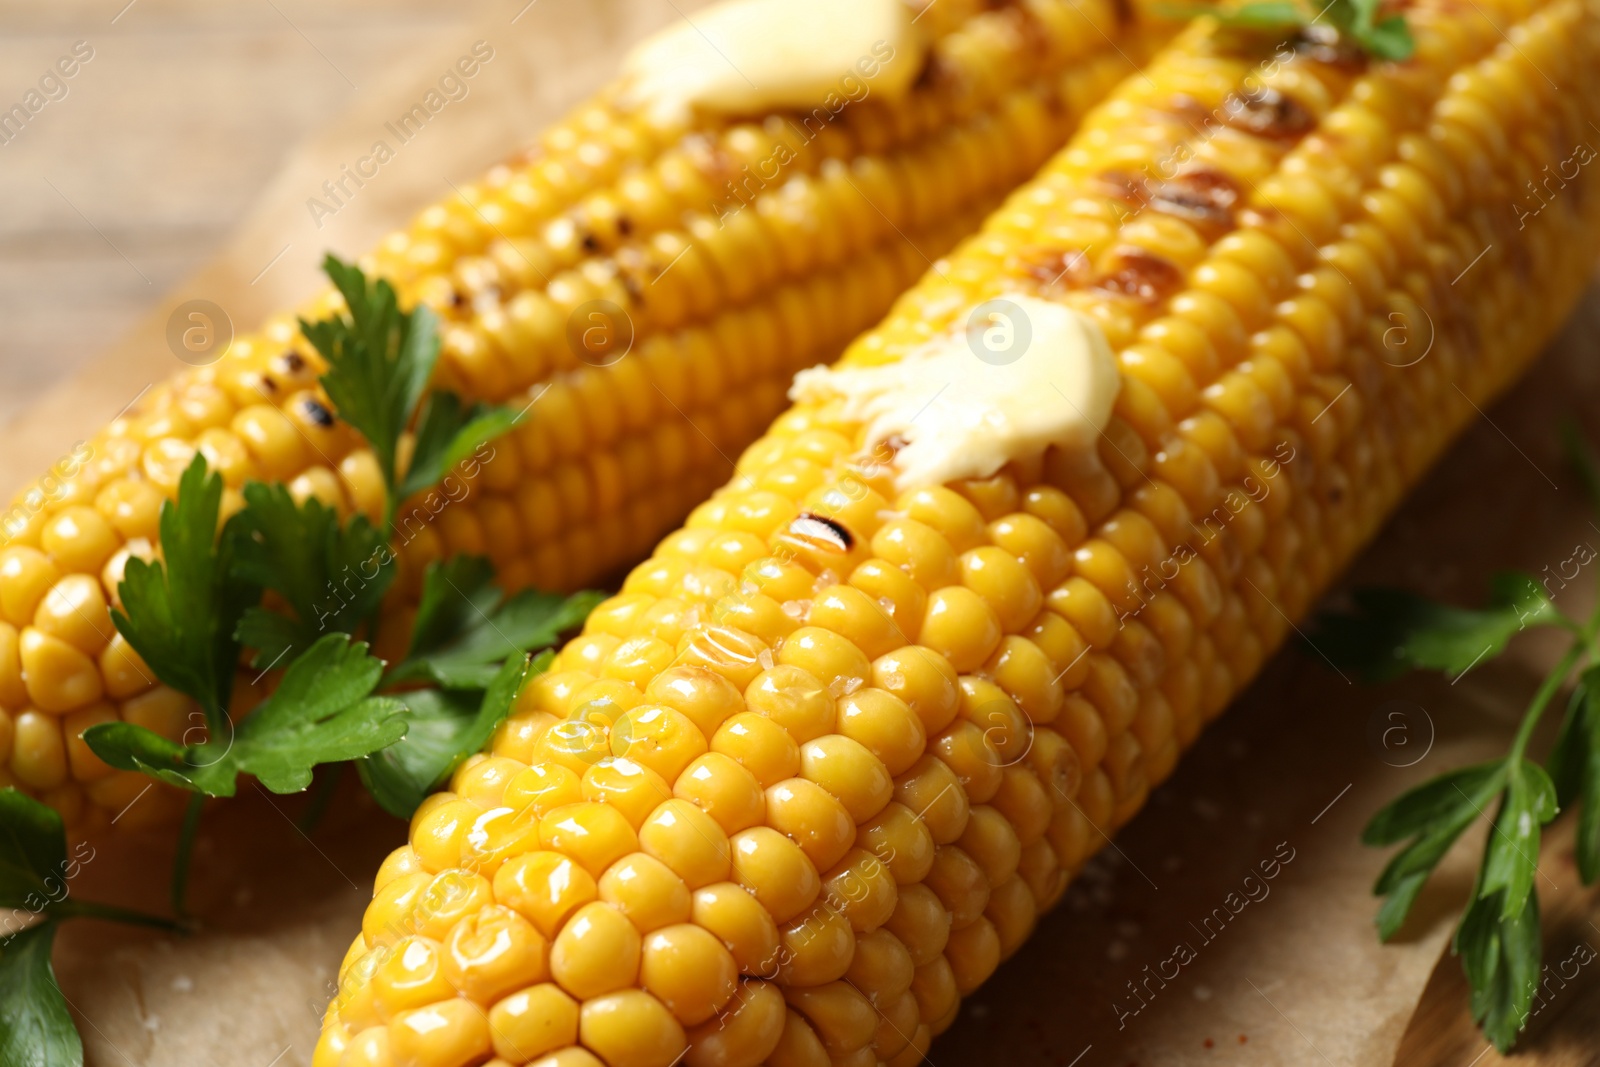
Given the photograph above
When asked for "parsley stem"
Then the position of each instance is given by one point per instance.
(180, 861)
(1547, 691)
(322, 794)
(88, 909)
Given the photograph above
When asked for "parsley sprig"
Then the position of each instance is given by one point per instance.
(36, 873)
(1360, 22)
(1392, 631)
(193, 613)
(379, 361)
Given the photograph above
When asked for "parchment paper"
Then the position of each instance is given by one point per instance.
(1281, 969)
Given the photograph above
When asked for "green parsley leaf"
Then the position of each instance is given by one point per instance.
(1433, 815)
(321, 712)
(1575, 769)
(1356, 20)
(447, 433)
(446, 726)
(1501, 957)
(35, 1026)
(1512, 854)
(379, 360)
(465, 628)
(1392, 631)
(1390, 39)
(33, 849)
(180, 615)
(332, 576)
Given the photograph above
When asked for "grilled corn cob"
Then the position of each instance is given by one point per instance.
(723, 279)
(820, 765)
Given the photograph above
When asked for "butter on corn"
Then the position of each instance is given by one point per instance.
(743, 57)
(1020, 375)
(648, 284)
(820, 766)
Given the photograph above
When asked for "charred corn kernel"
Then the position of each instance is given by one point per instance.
(596, 952)
(1101, 687)
(532, 1022)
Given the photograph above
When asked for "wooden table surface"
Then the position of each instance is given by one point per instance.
(164, 138)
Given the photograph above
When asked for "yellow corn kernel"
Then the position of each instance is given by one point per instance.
(689, 970)
(546, 888)
(38, 750)
(596, 952)
(59, 677)
(594, 835)
(492, 952)
(409, 975)
(532, 1022)
(83, 763)
(627, 787)
(26, 574)
(78, 539)
(775, 871)
(647, 891)
(13, 693)
(631, 1028)
(741, 923)
(451, 1033)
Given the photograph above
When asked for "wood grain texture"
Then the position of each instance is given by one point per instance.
(139, 173)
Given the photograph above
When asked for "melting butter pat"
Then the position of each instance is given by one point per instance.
(1023, 375)
(748, 57)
